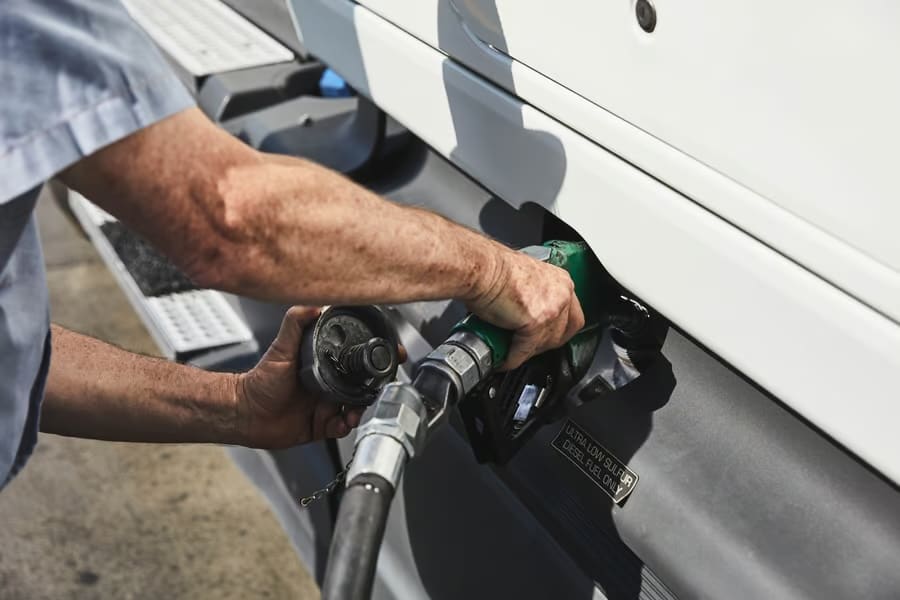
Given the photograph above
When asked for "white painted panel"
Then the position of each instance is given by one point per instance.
(831, 358)
(819, 250)
(797, 100)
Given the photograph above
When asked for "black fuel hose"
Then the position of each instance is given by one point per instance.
(363, 512)
(357, 538)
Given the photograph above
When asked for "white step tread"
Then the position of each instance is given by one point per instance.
(206, 36)
(182, 323)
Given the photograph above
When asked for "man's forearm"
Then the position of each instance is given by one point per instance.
(98, 391)
(335, 242)
(285, 229)
(280, 228)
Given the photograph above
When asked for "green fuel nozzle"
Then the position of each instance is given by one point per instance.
(587, 275)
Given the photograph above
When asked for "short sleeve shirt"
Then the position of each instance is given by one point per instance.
(76, 75)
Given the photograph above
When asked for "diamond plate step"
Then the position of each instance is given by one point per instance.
(182, 324)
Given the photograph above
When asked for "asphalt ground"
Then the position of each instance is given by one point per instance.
(89, 519)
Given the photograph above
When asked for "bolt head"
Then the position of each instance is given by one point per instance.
(646, 15)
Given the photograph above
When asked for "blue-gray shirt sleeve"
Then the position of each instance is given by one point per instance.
(76, 75)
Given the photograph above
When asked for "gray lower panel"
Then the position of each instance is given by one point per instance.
(472, 538)
(737, 497)
(309, 529)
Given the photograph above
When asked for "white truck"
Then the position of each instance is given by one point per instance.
(731, 165)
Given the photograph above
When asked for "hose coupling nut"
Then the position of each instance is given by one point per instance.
(400, 414)
(465, 357)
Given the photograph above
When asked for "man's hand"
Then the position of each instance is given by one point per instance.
(274, 411)
(536, 300)
(98, 391)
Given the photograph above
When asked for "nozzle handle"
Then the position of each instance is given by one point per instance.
(497, 338)
(582, 266)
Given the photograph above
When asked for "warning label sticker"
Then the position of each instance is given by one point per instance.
(595, 461)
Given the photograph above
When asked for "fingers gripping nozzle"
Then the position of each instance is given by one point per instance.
(586, 273)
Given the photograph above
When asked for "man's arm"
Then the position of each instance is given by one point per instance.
(286, 229)
(98, 391)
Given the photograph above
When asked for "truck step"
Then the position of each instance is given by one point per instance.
(206, 36)
(184, 321)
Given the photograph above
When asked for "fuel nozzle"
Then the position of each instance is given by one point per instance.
(506, 408)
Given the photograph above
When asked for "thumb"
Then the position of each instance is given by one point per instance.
(287, 342)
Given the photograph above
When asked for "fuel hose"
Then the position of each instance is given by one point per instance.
(396, 432)
(359, 529)
(373, 478)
